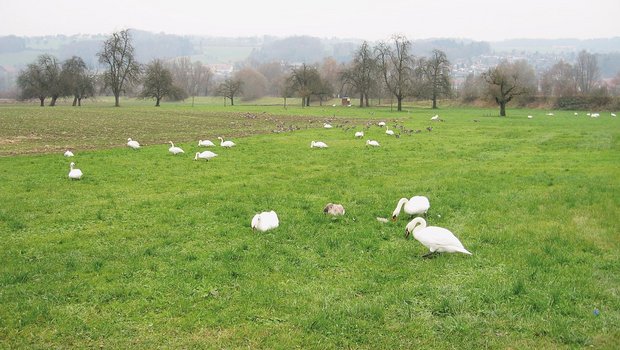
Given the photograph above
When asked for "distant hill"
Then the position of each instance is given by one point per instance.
(19, 51)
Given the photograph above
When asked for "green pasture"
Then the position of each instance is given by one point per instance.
(151, 250)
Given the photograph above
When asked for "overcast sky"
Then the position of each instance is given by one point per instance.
(371, 20)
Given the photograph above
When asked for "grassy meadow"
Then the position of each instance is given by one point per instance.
(151, 250)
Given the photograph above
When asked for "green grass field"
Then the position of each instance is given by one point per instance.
(151, 250)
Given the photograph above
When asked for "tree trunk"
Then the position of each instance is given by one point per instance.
(232, 101)
(74, 101)
(42, 99)
(284, 102)
(116, 102)
(400, 103)
(53, 101)
(80, 102)
(361, 99)
(434, 102)
(157, 101)
(308, 101)
(367, 104)
(192, 100)
(502, 109)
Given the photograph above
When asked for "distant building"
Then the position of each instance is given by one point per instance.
(221, 70)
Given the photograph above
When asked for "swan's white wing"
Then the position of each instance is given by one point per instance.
(438, 238)
(272, 219)
(417, 205)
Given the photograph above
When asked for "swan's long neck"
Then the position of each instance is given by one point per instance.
(416, 225)
(221, 140)
(399, 206)
(196, 156)
(171, 144)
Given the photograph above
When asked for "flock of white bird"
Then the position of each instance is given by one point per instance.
(76, 174)
(590, 114)
(436, 239)
(358, 135)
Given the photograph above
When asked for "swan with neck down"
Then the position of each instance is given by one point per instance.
(436, 239)
(414, 206)
(265, 221)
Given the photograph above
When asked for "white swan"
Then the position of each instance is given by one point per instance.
(529, 117)
(74, 174)
(205, 143)
(68, 153)
(550, 114)
(436, 239)
(327, 126)
(265, 221)
(227, 144)
(613, 114)
(205, 155)
(413, 206)
(388, 131)
(318, 144)
(436, 117)
(359, 134)
(381, 124)
(174, 150)
(372, 143)
(133, 144)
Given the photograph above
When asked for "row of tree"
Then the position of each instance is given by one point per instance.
(575, 86)
(386, 70)
(47, 77)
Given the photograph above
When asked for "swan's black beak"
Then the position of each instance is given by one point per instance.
(406, 233)
(394, 217)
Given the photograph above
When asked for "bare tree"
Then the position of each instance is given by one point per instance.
(360, 74)
(329, 70)
(193, 78)
(509, 80)
(51, 71)
(200, 78)
(254, 83)
(586, 72)
(118, 55)
(559, 80)
(230, 88)
(436, 75)
(42, 79)
(305, 80)
(285, 90)
(32, 83)
(396, 64)
(157, 82)
(274, 72)
(77, 80)
(472, 88)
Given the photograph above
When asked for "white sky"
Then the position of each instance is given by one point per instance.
(371, 20)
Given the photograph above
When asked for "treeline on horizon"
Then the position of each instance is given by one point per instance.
(263, 73)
